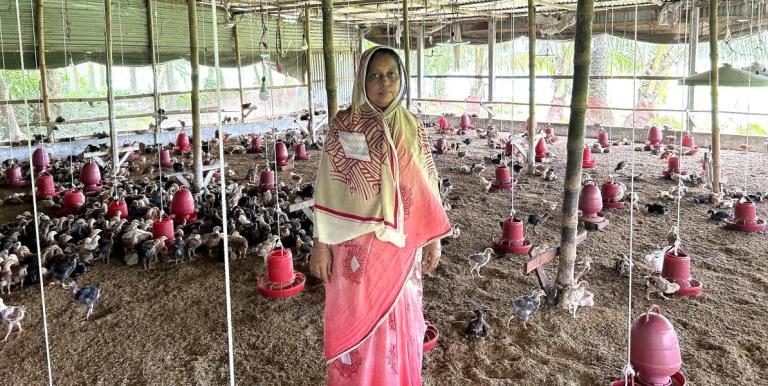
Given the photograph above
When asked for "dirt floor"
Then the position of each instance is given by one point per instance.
(722, 334)
(168, 326)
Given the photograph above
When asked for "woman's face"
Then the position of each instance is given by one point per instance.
(382, 80)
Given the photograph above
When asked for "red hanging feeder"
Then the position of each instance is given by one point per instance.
(117, 206)
(281, 281)
(512, 239)
(164, 227)
(586, 159)
(281, 153)
(611, 192)
(677, 268)
(165, 158)
(550, 133)
(45, 186)
(73, 200)
(673, 166)
(504, 180)
(541, 150)
(430, 337)
(688, 142)
(134, 154)
(90, 177)
(465, 124)
(443, 126)
(301, 153)
(40, 159)
(654, 137)
(654, 351)
(267, 180)
(13, 178)
(591, 204)
(182, 143)
(745, 218)
(440, 146)
(183, 206)
(602, 138)
(257, 145)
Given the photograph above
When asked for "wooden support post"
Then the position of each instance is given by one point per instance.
(692, 52)
(153, 58)
(575, 142)
(328, 58)
(420, 62)
(40, 37)
(236, 35)
(491, 57)
(308, 59)
(110, 91)
(713, 56)
(537, 257)
(197, 135)
(407, 53)
(531, 84)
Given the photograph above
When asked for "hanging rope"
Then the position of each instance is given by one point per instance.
(512, 211)
(34, 196)
(680, 185)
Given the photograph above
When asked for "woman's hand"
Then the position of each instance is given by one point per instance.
(321, 261)
(431, 256)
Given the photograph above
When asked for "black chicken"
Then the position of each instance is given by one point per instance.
(62, 271)
(87, 295)
(477, 327)
(179, 250)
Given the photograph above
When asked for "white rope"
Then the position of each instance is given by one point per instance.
(680, 185)
(7, 102)
(34, 201)
(158, 119)
(222, 184)
(512, 101)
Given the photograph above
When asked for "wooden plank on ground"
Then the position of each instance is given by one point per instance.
(301, 205)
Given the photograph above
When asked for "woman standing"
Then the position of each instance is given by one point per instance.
(378, 215)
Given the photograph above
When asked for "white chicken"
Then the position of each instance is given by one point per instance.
(480, 260)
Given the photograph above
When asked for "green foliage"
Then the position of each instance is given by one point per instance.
(751, 129)
(20, 84)
(666, 120)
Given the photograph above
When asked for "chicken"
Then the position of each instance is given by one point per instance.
(11, 317)
(477, 327)
(584, 265)
(620, 167)
(655, 259)
(480, 260)
(656, 208)
(665, 194)
(455, 231)
(622, 265)
(550, 175)
(725, 203)
(572, 297)
(487, 185)
(20, 275)
(238, 245)
(633, 198)
(549, 205)
(61, 272)
(6, 279)
(265, 247)
(178, 250)
(478, 167)
(87, 295)
(536, 220)
(191, 244)
(718, 215)
(524, 307)
(211, 240)
(659, 285)
(672, 235)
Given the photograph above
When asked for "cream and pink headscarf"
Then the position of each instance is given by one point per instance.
(358, 178)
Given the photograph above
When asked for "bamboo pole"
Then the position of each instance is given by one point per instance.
(197, 137)
(153, 60)
(491, 57)
(531, 84)
(328, 59)
(236, 35)
(575, 141)
(308, 59)
(110, 90)
(692, 51)
(40, 36)
(407, 53)
(713, 56)
(420, 62)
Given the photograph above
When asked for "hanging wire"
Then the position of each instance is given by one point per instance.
(680, 185)
(158, 119)
(512, 114)
(34, 196)
(223, 185)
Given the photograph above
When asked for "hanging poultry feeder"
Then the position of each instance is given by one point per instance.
(688, 142)
(677, 268)
(611, 192)
(182, 143)
(591, 206)
(257, 145)
(134, 155)
(73, 200)
(541, 150)
(443, 126)
(164, 227)
(654, 351)
(45, 186)
(117, 206)
(465, 124)
(267, 180)
(745, 218)
(40, 159)
(550, 134)
(654, 138)
(673, 166)
(281, 153)
(281, 281)
(440, 146)
(602, 138)
(13, 178)
(430, 337)
(512, 239)
(90, 177)
(301, 153)
(586, 159)
(504, 180)
(183, 206)
(165, 158)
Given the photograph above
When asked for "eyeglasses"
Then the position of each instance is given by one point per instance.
(376, 77)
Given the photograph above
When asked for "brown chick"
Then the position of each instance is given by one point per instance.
(238, 245)
(265, 247)
(659, 285)
(480, 260)
(572, 296)
(191, 244)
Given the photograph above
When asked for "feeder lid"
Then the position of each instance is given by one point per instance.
(727, 77)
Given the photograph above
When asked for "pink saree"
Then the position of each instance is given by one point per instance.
(374, 324)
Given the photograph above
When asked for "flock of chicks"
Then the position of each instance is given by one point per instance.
(258, 222)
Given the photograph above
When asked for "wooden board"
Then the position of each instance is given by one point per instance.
(301, 205)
